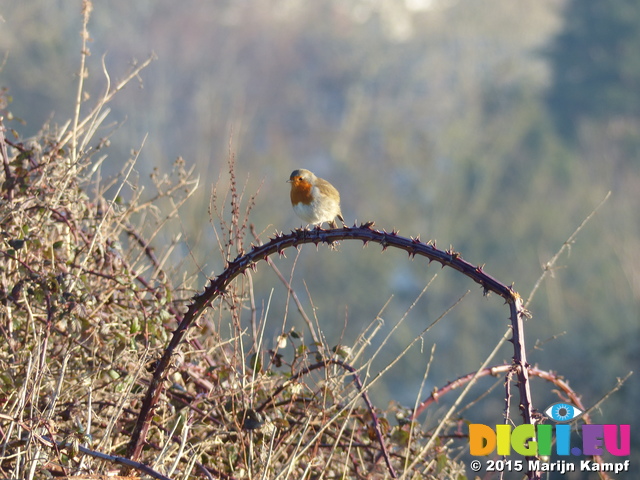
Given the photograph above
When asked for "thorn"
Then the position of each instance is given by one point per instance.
(415, 240)
(515, 294)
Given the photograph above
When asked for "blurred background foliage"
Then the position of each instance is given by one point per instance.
(493, 126)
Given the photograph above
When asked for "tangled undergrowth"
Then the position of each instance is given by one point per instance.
(87, 306)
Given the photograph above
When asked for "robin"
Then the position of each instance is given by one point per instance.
(314, 199)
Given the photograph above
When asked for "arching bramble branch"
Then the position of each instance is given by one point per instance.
(413, 246)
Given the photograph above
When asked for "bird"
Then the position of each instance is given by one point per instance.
(314, 199)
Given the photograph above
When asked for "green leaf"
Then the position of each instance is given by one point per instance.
(255, 362)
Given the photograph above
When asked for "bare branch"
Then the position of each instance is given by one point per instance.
(413, 246)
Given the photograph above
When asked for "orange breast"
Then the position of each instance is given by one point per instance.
(300, 192)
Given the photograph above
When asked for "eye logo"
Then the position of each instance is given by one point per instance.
(595, 439)
(562, 412)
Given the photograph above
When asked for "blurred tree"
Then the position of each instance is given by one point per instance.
(596, 69)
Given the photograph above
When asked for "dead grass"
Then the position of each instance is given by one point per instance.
(87, 305)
